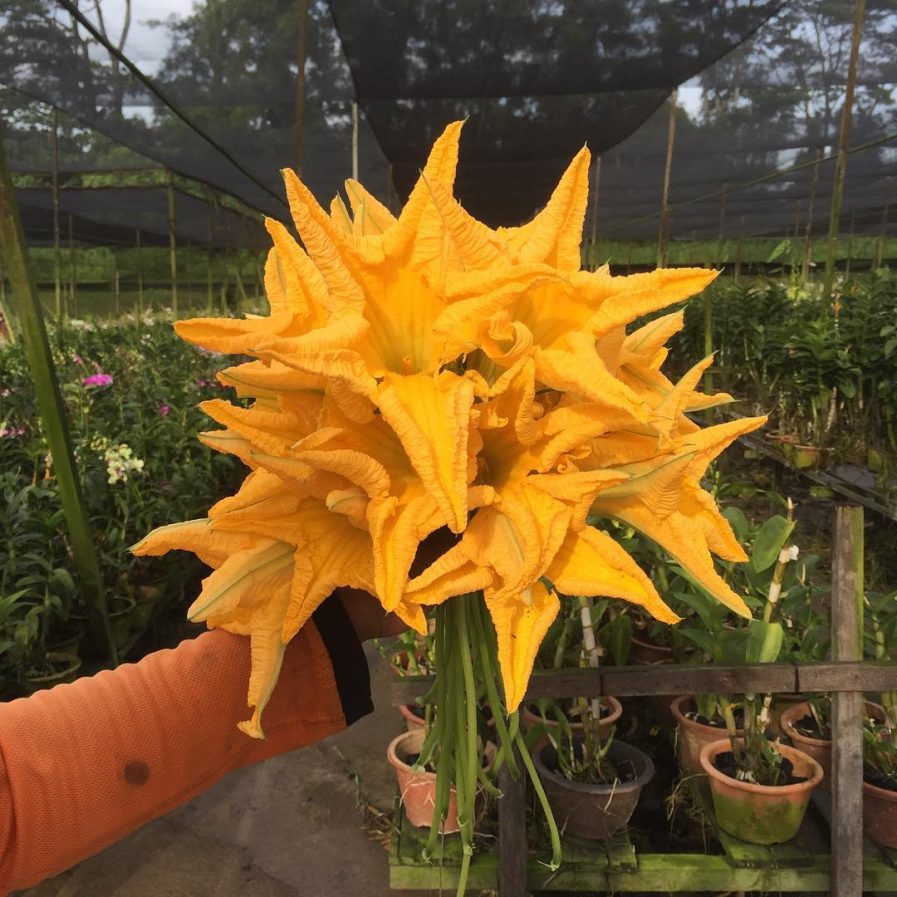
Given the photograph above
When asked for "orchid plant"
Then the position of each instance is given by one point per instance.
(427, 371)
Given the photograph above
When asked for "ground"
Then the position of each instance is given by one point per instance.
(289, 827)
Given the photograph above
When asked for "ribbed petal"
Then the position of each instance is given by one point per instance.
(431, 417)
(369, 215)
(210, 547)
(520, 626)
(555, 234)
(592, 564)
(625, 299)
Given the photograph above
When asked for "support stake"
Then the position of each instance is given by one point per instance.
(859, 11)
(172, 248)
(30, 320)
(664, 236)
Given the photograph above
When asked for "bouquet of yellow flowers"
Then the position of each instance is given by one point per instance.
(426, 371)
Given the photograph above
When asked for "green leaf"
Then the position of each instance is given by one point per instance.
(737, 521)
(778, 251)
(770, 540)
(764, 642)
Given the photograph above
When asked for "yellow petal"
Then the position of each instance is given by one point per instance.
(245, 579)
(193, 535)
(520, 627)
(431, 417)
(624, 299)
(555, 234)
(591, 563)
(266, 658)
(370, 216)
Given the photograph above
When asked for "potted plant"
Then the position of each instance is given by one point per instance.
(880, 739)
(592, 781)
(760, 789)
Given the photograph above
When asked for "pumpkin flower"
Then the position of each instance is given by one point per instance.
(422, 371)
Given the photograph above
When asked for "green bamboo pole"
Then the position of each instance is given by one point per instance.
(52, 410)
(172, 248)
(663, 236)
(301, 58)
(859, 11)
(139, 278)
(73, 302)
(808, 244)
(57, 274)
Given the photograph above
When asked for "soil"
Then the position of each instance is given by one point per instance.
(879, 779)
(808, 727)
(690, 711)
(572, 713)
(725, 763)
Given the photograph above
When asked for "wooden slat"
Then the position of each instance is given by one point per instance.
(687, 679)
(512, 834)
(847, 707)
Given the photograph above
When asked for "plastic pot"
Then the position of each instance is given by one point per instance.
(611, 712)
(649, 653)
(595, 812)
(61, 668)
(760, 814)
(692, 737)
(412, 720)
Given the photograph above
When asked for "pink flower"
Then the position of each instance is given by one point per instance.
(77, 359)
(201, 383)
(98, 380)
(164, 409)
(5, 392)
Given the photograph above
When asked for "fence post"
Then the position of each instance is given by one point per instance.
(30, 320)
(512, 850)
(847, 707)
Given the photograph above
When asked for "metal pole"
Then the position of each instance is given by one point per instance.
(57, 279)
(859, 11)
(172, 247)
(30, 320)
(116, 292)
(301, 55)
(663, 236)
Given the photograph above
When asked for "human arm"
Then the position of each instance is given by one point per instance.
(84, 764)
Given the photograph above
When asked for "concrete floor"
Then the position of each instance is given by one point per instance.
(289, 827)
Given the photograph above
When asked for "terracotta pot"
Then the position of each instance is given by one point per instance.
(820, 749)
(593, 811)
(612, 709)
(760, 814)
(648, 652)
(412, 720)
(418, 789)
(692, 737)
(780, 703)
(880, 815)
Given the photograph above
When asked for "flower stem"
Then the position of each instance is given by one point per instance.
(543, 800)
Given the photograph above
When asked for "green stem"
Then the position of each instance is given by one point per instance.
(485, 654)
(543, 801)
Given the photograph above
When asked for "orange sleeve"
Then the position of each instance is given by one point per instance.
(84, 764)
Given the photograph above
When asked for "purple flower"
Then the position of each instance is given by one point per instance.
(164, 409)
(201, 383)
(98, 380)
(5, 392)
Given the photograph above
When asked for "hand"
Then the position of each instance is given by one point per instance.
(367, 615)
